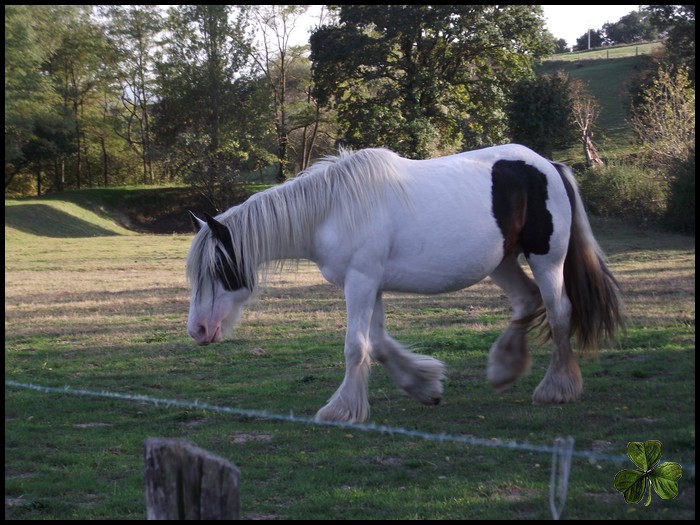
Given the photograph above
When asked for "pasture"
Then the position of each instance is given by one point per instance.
(605, 53)
(94, 307)
(608, 74)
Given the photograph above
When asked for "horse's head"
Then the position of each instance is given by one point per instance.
(219, 284)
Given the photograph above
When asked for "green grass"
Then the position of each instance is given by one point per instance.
(108, 312)
(608, 83)
(605, 53)
(122, 210)
(60, 218)
(607, 72)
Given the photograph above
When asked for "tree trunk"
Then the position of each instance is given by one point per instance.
(281, 158)
(105, 169)
(590, 151)
(37, 169)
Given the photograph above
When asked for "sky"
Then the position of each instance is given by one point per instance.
(563, 21)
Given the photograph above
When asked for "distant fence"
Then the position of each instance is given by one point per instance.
(608, 52)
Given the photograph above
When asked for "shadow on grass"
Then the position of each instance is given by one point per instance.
(44, 220)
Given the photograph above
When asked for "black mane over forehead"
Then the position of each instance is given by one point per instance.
(227, 269)
(213, 258)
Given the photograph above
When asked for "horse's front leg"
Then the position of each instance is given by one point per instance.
(350, 402)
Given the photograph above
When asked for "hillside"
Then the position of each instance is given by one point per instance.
(112, 211)
(57, 218)
(608, 72)
(608, 82)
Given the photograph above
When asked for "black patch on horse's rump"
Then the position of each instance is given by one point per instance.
(519, 196)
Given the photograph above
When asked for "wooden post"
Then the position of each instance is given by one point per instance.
(184, 482)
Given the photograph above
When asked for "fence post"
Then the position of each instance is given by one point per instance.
(184, 482)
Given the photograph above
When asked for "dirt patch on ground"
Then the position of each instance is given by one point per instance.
(163, 210)
(242, 437)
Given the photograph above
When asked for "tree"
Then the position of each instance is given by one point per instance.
(629, 29)
(288, 73)
(590, 39)
(678, 22)
(424, 79)
(664, 121)
(560, 46)
(557, 45)
(586, 110)
(540, 113)
(80, 73)
(29, 95)
(71, 69)
(680, 209)
(203, 93)
(133, 32)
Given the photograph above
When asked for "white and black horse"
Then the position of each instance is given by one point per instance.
(375, 222)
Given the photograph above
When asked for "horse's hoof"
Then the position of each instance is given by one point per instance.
(432, 401)
(550, 401)
(550, 396)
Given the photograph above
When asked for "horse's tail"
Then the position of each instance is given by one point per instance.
(597, 308)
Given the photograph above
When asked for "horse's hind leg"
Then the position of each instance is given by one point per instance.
(509, 358)
(563, 382)
(418, 375)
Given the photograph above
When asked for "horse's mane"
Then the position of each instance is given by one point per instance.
(282, 219)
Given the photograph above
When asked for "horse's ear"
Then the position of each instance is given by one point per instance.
(196, 222)
(219, 230)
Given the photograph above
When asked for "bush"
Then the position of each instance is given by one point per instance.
(665, 118)
(22, 185)
(626, 191)
(680, 212)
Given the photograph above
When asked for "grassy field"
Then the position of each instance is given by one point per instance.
(607, 72)
(91, 306)
(605, 53)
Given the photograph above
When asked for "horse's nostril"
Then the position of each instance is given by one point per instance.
(198, 333)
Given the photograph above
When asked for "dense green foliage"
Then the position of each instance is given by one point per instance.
(27, 91)
(680, 210)
(664, 118)
(207, 110)
(679, 22)
(625, 190)
(540, 113)
(634, 27)
(114, 95)
(207, 95)
(421, 79)
(591, 39)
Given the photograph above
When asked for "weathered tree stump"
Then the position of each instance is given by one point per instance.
(184, 482)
